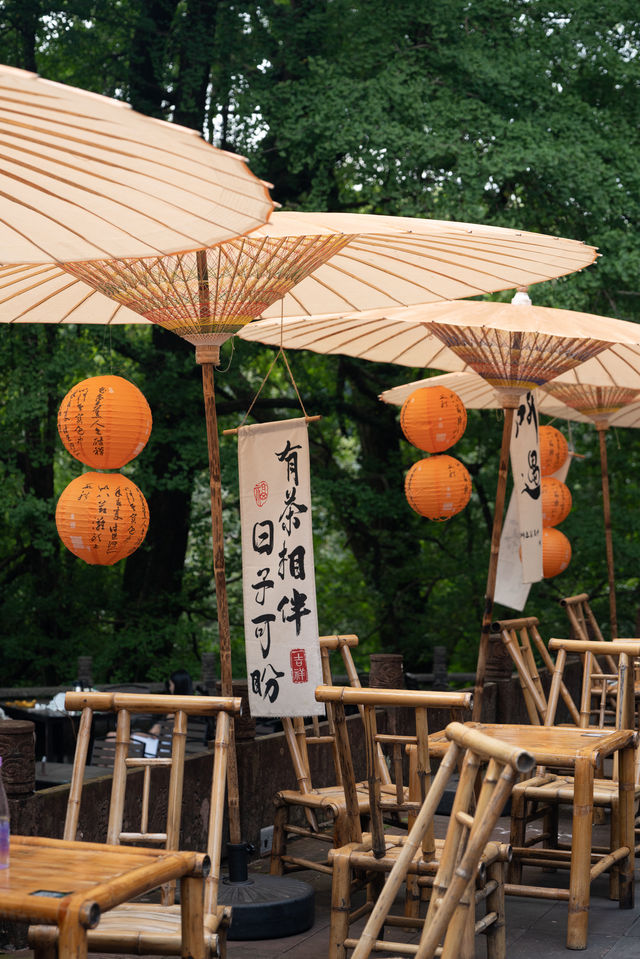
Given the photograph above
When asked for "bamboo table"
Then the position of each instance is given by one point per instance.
(69, 884)
(580, 750)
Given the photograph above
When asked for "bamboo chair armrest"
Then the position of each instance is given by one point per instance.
(152, 703)
(611, 647)
(363, 696)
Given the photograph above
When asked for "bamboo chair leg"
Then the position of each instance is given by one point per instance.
(497, 931)
(517, 838)
(579, 885)
(45, 944)
(340, 906)
(550, 821)
(279, 842)
(614, 843)
(413, 897)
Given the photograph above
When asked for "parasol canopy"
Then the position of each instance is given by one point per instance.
(84, 176)
(496, 345)
(303, 264)
(477, 394)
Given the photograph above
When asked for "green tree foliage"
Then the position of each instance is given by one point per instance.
(486, 111)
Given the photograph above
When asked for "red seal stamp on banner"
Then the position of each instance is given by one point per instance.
(299, 672)
(261, 493)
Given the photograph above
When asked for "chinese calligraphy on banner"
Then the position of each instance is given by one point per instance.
(511, 590)
(278, 577)
(525, 468)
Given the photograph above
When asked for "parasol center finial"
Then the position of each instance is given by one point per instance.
(521, 297)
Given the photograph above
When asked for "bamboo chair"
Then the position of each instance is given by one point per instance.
(584, 625)
(149, 928)
(547, 791)
(370, 857)
(522, 641)
(467, 848)
(324, 807)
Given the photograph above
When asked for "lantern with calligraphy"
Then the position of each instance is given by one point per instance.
(433, 418)
(104, 421)
(102, 517)
(438, 487)
(556, 501)
(556, 552)
(554, 449)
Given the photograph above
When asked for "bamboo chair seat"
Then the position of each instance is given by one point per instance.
(150, 928)
(461, 872)
(134, 928)
(554, 788)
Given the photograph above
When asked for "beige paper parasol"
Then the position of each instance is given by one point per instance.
(85, 176)
(604, 406)
(477, 394)
(513, 347)
(376, 262)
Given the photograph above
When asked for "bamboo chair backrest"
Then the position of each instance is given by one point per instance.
(613, 693)
(584, 624)
(471, 823)
(408, 792)
(522, 640)
(124, 704)
(299, 736)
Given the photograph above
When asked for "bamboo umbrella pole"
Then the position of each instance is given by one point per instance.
(509, 406)
(208, 357)
(602, 427)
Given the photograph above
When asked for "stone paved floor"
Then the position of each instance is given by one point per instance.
(536, 929)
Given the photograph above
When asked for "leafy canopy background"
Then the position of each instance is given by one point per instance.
(485, 111)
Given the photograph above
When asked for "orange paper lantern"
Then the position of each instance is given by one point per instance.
(104, 421)
(433, 418)
(438, 487)
(102, 517)
(554, 449)
(556, 552)
(556, 501)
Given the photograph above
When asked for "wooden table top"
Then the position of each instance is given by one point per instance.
(45, 876)
(551, 745)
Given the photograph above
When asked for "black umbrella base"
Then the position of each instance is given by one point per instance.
(264, 907)
(268, 907)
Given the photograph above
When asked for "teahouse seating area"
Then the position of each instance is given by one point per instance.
(410, 848)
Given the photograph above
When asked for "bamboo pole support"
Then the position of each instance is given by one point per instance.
(496, 532)
(608, 538)
(207, 357)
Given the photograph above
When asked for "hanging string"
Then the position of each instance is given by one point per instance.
(280, 353)
(227, 367)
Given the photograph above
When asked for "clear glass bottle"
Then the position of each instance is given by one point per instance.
(4, 824)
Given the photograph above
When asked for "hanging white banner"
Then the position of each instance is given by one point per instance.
(525, 468)
(278, 575)
(511, 590)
